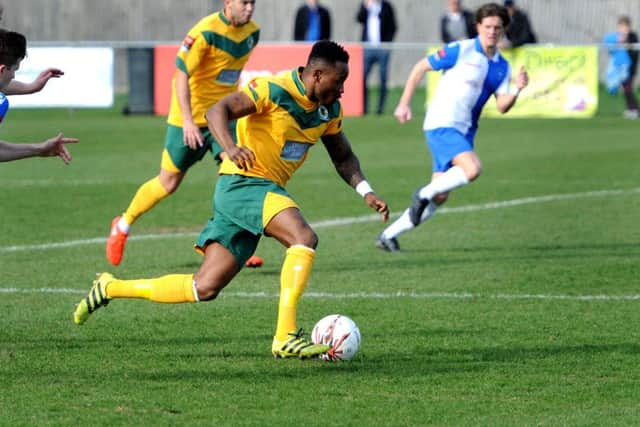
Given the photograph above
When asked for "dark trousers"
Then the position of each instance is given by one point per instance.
(381, 57)
(629, 96)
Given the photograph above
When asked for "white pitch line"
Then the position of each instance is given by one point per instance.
(369, 295)
(50, 182)
(339, 221)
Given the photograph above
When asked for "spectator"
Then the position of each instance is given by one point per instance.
(628, 36)
(519, 31)
(378, 25)
(313, 22)
(457, 23)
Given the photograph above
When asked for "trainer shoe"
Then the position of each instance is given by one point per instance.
(97, 298)
(115, 243)
(254, 262)
(297, 346)
(418, 205)
(389, 245)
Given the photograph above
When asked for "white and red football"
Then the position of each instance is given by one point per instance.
(341, 333)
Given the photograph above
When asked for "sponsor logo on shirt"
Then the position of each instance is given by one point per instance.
(293, 150)
(187, 43)
(442, 53)
(228, 76)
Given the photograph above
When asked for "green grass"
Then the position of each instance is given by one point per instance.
(487, 317)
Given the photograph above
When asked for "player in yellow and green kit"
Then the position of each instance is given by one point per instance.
(279, 119)
(208, 64)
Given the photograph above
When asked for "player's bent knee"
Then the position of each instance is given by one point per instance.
(474, 173)
(309, 238)
(208, 289)
(170, 181)
(439, 199)
(207, 294)
(313, 241)
(171, 185)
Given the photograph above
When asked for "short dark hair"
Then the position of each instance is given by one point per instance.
(493, 9)
(329, 51)
(13, 47)
(624, 20)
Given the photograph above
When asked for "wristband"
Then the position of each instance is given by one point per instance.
(363, 188)
(517, 92)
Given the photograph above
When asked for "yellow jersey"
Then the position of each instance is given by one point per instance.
(212, 55)
(283, 128)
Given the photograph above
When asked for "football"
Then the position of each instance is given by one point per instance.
(341, 333)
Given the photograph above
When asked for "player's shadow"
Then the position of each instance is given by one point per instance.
(210, 357)
(408, 363)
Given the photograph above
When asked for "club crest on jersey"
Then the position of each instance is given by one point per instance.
(441, 53)
(187, 43)
(323, 113)
(250, 42)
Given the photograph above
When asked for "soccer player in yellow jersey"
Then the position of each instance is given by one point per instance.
(208, 67)
(279, 119)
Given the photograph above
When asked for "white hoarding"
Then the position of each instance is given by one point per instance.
(87, 80)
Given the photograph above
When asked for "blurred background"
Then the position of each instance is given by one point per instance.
(126, 24)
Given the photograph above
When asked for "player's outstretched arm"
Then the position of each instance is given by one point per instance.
(348, 167)
(229, 108)
(403, 110)
(16, 87)
(52, 147)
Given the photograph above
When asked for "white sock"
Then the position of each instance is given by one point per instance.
(404, 224)
(123, 225)
(195, 291)
(451, 179)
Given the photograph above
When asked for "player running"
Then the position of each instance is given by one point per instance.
(473, 70)
(209, 63)
(280, 119)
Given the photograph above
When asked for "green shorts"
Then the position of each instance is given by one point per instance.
(183, 156)
(242, 207)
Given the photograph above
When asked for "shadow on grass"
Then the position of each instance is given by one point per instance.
(401, 364)
(245, 357)
(481, 254)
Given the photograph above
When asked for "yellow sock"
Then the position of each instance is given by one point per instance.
(293, 279)
(147, 196)
(173, 288)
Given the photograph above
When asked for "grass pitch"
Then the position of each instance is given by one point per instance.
(516, 305)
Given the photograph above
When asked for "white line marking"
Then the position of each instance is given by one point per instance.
(340, 221)
(50, 182)
(369, 295)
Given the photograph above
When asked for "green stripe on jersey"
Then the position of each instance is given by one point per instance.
(306, 120)
(181, 65)
(235, 49)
